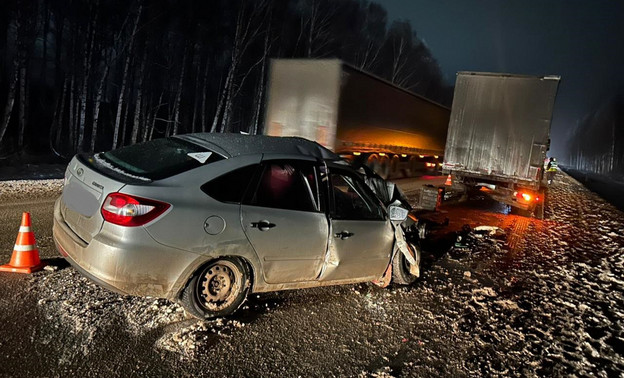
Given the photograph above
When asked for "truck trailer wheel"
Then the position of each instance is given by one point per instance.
(373, 163)
(395, 165)
(538, 212)
(413, 166)
(379, 164)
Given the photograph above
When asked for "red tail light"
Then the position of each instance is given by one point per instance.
(526, 196)
(131, 211)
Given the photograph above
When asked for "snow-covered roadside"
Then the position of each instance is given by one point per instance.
(86, 308)
(554, 302)
(15, 190)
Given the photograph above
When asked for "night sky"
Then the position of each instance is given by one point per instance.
(583, 41)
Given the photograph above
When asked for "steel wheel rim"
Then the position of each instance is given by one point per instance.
(219, 285)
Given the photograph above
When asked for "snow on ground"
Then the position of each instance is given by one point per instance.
(15, 190)
(554, 295)
(540, 298)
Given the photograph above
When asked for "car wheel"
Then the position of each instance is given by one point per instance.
(401, 267)
(217, 289)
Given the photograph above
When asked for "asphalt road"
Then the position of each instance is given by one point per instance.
(532, 298)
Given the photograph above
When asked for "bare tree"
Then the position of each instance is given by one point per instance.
(315, 27)
(149, 130)
(248, 28)
(203, 97)
(124, 79)
(23, 31)
(176, 111)
(88, 48)
(8, 107)
(139, 98)
(44, 37)
(197, 65)
(57, 120)
(97, 105)
(260, 88)
(400, 56)
(23, 101)
(107, 61)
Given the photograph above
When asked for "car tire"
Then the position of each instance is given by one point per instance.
(400, 267)
(217, 289)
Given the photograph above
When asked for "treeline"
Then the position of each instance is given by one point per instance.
(89, 75)
(597, 144)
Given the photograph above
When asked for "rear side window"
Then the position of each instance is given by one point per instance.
(288, 185)
(159, 158)
(231, 186)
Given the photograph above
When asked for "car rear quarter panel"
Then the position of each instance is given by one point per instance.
(192, 212)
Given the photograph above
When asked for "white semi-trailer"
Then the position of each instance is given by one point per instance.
(356, 114)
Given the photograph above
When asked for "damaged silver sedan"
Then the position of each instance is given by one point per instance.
(205, 219)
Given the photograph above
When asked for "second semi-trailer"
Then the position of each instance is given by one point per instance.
(498, 136)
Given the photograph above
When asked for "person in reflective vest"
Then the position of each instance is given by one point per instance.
(551, 170)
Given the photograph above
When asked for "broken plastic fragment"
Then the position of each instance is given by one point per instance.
(200, 156)
(487, 229)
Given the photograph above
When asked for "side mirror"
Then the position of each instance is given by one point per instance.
(397, 213)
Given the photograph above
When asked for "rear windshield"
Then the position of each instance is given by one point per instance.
(158, 159)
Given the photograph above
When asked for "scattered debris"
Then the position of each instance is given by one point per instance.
(486, 292)
(487, 230)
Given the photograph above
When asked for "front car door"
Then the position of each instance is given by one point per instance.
(285, 222)
(361, 238)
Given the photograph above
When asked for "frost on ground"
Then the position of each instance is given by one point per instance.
(74, 301)
(87, 309)
(526, 297)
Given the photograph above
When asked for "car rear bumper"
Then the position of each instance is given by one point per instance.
(127, 261)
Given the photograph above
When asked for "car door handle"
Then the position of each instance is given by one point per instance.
(344, 235)
(263, 225)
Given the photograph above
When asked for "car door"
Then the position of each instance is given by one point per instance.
(361, 237)
(285, 222)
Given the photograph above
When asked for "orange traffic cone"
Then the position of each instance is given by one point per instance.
(25, 257)
(448, 180)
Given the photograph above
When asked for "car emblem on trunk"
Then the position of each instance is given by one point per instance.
(79, 171)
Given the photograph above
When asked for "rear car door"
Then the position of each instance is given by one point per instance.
(361, 237)
(285, 222)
